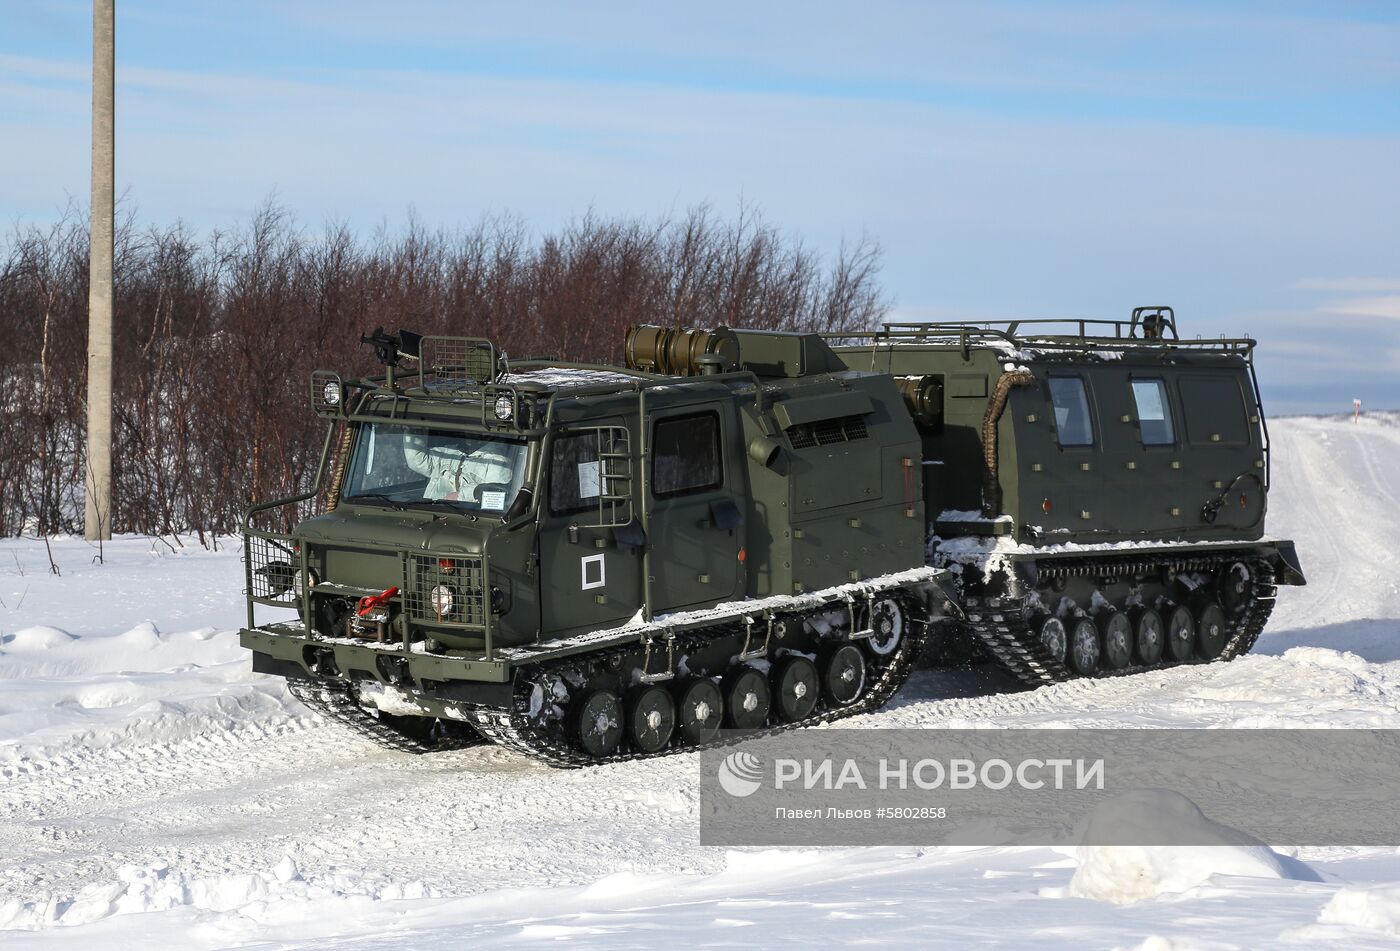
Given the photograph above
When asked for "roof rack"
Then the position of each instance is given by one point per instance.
(1149, 328)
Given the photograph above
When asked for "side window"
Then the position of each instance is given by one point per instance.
(575, 477)
(1073, 424)
(685, 455)
(1154, 413)
(1214, 408)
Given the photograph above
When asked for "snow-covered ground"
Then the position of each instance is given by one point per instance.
(154, 793)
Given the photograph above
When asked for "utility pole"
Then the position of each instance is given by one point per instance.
(97, 518)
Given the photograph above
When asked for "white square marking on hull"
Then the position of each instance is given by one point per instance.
(594, 571)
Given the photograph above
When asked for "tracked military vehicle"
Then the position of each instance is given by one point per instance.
(1098, 488)
(592, 563)
(760, 530)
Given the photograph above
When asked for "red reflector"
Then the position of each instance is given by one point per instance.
(446, 565)
(1244, 501)
(1045, 506)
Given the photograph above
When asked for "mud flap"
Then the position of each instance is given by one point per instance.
(943, 599)
(287, 669)
(1287, 568)
(467, 691)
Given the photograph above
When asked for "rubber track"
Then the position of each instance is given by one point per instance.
(336, 704)
(513, 728)
(1007, 636)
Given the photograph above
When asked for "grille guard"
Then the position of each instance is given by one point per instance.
(444, 591)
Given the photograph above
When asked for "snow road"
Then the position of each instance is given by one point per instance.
(153, 792)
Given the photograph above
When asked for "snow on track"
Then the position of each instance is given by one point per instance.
(144, 768)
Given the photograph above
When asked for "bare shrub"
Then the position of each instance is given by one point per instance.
(216, 334)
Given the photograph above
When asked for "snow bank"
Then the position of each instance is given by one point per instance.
(140, 648)
(94, 691)
(156, 887)
(41, 651)
(1122, 874)
(1374, 909)
(1158, 943)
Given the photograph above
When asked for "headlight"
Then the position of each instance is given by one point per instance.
(279, 576)
(299, 581)
(331, 394)
(441, 598)
(505, 407)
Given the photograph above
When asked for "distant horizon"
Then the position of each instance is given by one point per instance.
(1347, 415)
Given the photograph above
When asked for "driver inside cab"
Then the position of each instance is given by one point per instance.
(454, 474)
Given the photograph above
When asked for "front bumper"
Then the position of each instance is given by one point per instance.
(286, 650)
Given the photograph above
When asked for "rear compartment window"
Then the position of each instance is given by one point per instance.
(1214, 409)
(685, 455)
(1073, 424)
(1154, 413)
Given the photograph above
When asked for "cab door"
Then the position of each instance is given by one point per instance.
(590, 567)
(695, 524)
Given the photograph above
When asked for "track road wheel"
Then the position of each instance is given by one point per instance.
(1181, 634)
(887, 622)
(746, 698)
(795, 688)
(598, 723)
(1054, 638)
(1117, 640)
(1235, 589)
(843, 675)
(651, 719)
(1084, 647)
(1210, 631)
(1150, 634)
(700, 710)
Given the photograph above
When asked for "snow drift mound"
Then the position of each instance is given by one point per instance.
(140, 889)
(62, 692)
(33, 639)
(1375, 909)
(1122, 874)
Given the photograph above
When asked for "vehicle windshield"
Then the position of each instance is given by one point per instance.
(403, 466)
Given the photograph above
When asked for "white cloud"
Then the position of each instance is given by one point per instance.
(1350, 285)
(1384, 306)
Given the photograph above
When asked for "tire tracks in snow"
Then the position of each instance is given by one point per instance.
(1305, 501)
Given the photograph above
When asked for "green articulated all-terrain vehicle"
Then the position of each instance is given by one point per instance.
(757, 530)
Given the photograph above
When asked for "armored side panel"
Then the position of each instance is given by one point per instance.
(1173, 448)
(840, 500)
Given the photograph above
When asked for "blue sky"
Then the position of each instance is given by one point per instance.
(1239, 160)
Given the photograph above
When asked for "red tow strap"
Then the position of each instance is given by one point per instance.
(368, 604)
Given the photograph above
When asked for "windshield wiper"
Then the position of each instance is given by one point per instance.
(442, 505)
(396, 506)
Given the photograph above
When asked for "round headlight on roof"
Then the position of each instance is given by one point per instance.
(331, 393)
(505, 407)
